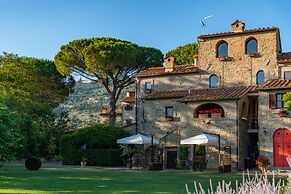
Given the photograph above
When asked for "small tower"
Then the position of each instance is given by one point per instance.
(238, 26)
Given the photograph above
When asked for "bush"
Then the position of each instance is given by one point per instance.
(97, 143)
(183, 154)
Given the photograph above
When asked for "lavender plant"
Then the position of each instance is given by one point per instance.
(249, 185)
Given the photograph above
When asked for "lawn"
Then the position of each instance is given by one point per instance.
(14, 178)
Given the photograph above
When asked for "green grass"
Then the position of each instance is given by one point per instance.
(16, 179)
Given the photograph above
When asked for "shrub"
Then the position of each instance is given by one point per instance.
(97, 143)
(183, 155)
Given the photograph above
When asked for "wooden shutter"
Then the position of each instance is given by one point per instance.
(272, 100)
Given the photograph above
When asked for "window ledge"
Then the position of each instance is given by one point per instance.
(253, 55)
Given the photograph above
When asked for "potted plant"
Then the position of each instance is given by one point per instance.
(263, 163)
(127, 152)
(282, 112)
(59, 159)
(83, 162)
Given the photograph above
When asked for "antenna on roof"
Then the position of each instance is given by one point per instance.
(208, 67)
(268, 62)
(203, 20)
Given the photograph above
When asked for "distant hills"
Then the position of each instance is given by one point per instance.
(85, 103)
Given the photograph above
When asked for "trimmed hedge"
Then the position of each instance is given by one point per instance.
(98, 157)
(101, 147)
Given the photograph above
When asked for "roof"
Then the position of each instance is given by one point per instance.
(208, 94)
(167, 94)
(235, 33)
(213, 94)
(276, 84)
(128, 99)
(178, 69)
(106, 111)
(284, 58)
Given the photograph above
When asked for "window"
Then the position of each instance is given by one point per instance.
(169, 113)
(148, 86)
(279, 102)
(128, 107)
(132, 94)
(209, 110)
(252, 46)
(213, 81)
(222, 49)
(260, 77)
(287, 75)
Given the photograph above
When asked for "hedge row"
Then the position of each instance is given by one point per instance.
(98, 157)
(97, 143)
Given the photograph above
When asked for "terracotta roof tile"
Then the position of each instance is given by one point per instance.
(178, 69)
(234, 33)
(276, 84)
(284, 58)
(167, 94)
(214, 94)
(106, 111)
(129, 99)
(202, 94)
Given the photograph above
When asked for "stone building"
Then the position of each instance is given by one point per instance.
(234, 90)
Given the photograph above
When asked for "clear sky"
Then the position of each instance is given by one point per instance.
(38, 28)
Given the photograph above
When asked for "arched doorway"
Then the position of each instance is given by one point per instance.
(282, 147)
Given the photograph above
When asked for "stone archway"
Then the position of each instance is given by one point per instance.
(282, 147)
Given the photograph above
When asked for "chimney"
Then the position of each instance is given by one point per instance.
(169, 64)
(238, 26)
(195, 57)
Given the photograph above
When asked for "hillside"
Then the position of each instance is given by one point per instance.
(85, 103)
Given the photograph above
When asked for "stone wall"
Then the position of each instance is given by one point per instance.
(269, 121)
(174, 82)
(128, 114)
(241, 69)
(185, 125)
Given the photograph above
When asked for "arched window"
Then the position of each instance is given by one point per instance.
(251, 46)
(222, 49)
(260, 77)
(209, 110)
(213, 81)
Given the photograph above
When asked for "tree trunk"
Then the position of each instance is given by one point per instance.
(112, 113)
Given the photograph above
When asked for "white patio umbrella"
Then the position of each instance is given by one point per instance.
(137, 139)
(204, 139)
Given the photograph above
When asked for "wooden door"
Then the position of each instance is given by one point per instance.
(171, 159)
(282, 147)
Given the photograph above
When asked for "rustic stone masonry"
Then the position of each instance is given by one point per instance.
(241, 113)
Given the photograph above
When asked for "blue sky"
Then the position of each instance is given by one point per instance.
(38, 28)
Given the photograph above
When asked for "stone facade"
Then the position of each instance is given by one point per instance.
(247, 123)
(269, 121)
(241, 68)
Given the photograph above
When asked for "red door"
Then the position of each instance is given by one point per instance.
(282, 147)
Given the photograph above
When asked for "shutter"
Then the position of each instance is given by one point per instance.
(272, 100)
